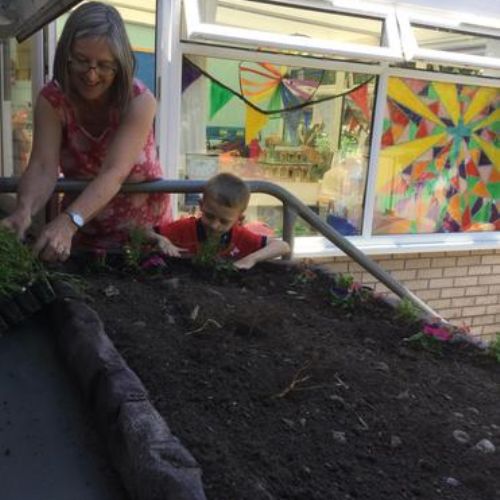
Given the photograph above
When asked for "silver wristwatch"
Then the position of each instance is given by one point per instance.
(76, 218)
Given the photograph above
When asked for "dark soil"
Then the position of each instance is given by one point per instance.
(281, 395)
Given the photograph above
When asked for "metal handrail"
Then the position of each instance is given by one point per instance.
(292, 206)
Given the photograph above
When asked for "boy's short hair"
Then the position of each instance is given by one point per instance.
(228, 190)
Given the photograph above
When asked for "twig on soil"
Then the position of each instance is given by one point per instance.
(208, 322)
(216, 292)
(341, 382)
(194, 313)
(362, 421)
(296, 380)
(313, 387)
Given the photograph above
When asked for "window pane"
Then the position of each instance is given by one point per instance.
(439, 168)
(295, 21)
(302, 128)
(454, 41)
(18, 106)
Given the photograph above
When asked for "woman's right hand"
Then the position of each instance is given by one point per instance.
(54, 242)
(18, 222)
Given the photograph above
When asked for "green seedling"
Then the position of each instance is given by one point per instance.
(134, 250)
(426, 342)
(344, 281)
(346, 293)
(207, 258)
(207, 254)
(304, 276)
(407, 311)
(494, 348)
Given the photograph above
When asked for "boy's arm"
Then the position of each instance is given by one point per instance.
(164, 244)
(274, 248)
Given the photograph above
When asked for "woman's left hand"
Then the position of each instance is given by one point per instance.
(54, 242)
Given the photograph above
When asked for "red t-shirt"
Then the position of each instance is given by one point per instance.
(190, 234)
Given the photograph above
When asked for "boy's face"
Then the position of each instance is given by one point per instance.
(216, 218)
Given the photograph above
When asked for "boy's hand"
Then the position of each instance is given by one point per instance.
(245, 263)
(168, 248)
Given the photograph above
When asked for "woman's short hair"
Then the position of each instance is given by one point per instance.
(228, 190)
(96, 19)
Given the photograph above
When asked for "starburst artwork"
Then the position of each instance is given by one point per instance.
(439, 166)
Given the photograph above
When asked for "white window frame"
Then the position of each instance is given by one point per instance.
(199, 31)
(401, 243)
(170, 50)
(317, 246)
(470, 24)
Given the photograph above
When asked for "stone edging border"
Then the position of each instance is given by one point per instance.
(152, 463)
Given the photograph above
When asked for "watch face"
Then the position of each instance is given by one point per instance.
(76, 218)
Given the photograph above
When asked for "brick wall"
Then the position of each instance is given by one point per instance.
(463, 287)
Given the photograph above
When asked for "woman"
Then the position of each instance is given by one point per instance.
(93, 122)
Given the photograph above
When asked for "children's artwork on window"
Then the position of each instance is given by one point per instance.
(439, 166)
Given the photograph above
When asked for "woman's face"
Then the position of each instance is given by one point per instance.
(92, 68)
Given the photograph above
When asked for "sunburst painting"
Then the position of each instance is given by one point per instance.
(439, 167)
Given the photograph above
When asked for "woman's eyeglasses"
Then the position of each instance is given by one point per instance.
(101, 68)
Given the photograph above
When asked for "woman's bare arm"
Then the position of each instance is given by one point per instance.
(38, 181)
(121, 157)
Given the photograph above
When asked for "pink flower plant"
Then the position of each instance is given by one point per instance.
(153, 261)
(438, 331)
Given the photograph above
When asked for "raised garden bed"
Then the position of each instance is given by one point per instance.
(276, 393)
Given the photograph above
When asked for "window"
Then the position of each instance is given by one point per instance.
(451, 39)
(439, 166)
(303, 128)
(314, 28)
(17, 107)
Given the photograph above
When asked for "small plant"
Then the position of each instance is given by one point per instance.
(305, 275)
(207, 254)
(426, 342)
(18, 266)
(344, 281)
(208, 258)
(407, 311)
(134, 250)
(346, 293)
(494, 348)
(431, 338)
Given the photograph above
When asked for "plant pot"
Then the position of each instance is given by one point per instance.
(27, 301)
(3, 326)
(11, 312)
(43, 291)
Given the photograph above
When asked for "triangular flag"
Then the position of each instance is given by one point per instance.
(255, 121)
(190, 73)
(219, 97)
(360, 97)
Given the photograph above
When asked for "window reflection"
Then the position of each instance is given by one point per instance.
(438, 167)
(21, 106)
(305, 129)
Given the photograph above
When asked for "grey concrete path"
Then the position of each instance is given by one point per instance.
(47, 449)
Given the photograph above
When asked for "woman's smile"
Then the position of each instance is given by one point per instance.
(91, 68)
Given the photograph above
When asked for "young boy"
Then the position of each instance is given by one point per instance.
(225, 198)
